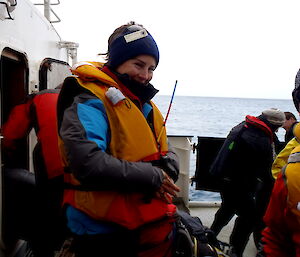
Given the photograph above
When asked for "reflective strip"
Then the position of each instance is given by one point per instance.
(136, 35)
(76, 65)
(294, 157)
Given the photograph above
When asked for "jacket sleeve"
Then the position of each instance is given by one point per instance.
(15, 131)
(85, 133)
(282, 157)
(18, 124)
(171, 165)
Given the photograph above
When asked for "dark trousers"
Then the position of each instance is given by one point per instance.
(32, 213)
(262, 200)
(236, 200)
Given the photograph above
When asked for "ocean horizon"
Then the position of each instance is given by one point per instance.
(231, 97)
(213, 117)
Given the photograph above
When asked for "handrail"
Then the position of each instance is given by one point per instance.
(10, 6)
(58, 19)
(58, 2)
(51, 10)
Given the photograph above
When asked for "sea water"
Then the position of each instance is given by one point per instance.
(213, 117)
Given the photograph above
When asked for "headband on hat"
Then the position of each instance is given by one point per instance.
(134, 41)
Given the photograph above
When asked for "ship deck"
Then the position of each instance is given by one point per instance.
(206, 211)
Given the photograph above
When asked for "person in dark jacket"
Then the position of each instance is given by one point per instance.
(244, 165)
(44, 222)
(289, 124)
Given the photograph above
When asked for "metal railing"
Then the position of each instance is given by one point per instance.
(48, 10)
(9, 5)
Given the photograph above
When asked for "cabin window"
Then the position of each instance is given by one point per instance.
(52, 73)
(13, 89)
(14, 77)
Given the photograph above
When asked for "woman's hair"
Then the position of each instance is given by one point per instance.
(117, 32)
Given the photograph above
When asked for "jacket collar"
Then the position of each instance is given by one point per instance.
(134, 90)
(96, 71)
(256, 122)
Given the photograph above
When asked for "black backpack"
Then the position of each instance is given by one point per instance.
(221, 167)
(193, 239)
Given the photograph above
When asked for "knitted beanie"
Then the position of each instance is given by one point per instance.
(274, 116)
(134, 41)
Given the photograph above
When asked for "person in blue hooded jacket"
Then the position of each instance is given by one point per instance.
(120, 170)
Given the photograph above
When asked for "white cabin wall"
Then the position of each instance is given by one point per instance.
(32, 34)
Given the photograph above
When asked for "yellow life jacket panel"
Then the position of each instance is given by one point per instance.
(293, 182)
(133, 140)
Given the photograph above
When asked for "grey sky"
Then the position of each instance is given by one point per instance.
(230, 48)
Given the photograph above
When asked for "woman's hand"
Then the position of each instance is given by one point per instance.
(168, 189)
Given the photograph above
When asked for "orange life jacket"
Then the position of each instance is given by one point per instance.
(133, 140)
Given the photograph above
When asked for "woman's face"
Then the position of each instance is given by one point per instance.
(139, 68)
